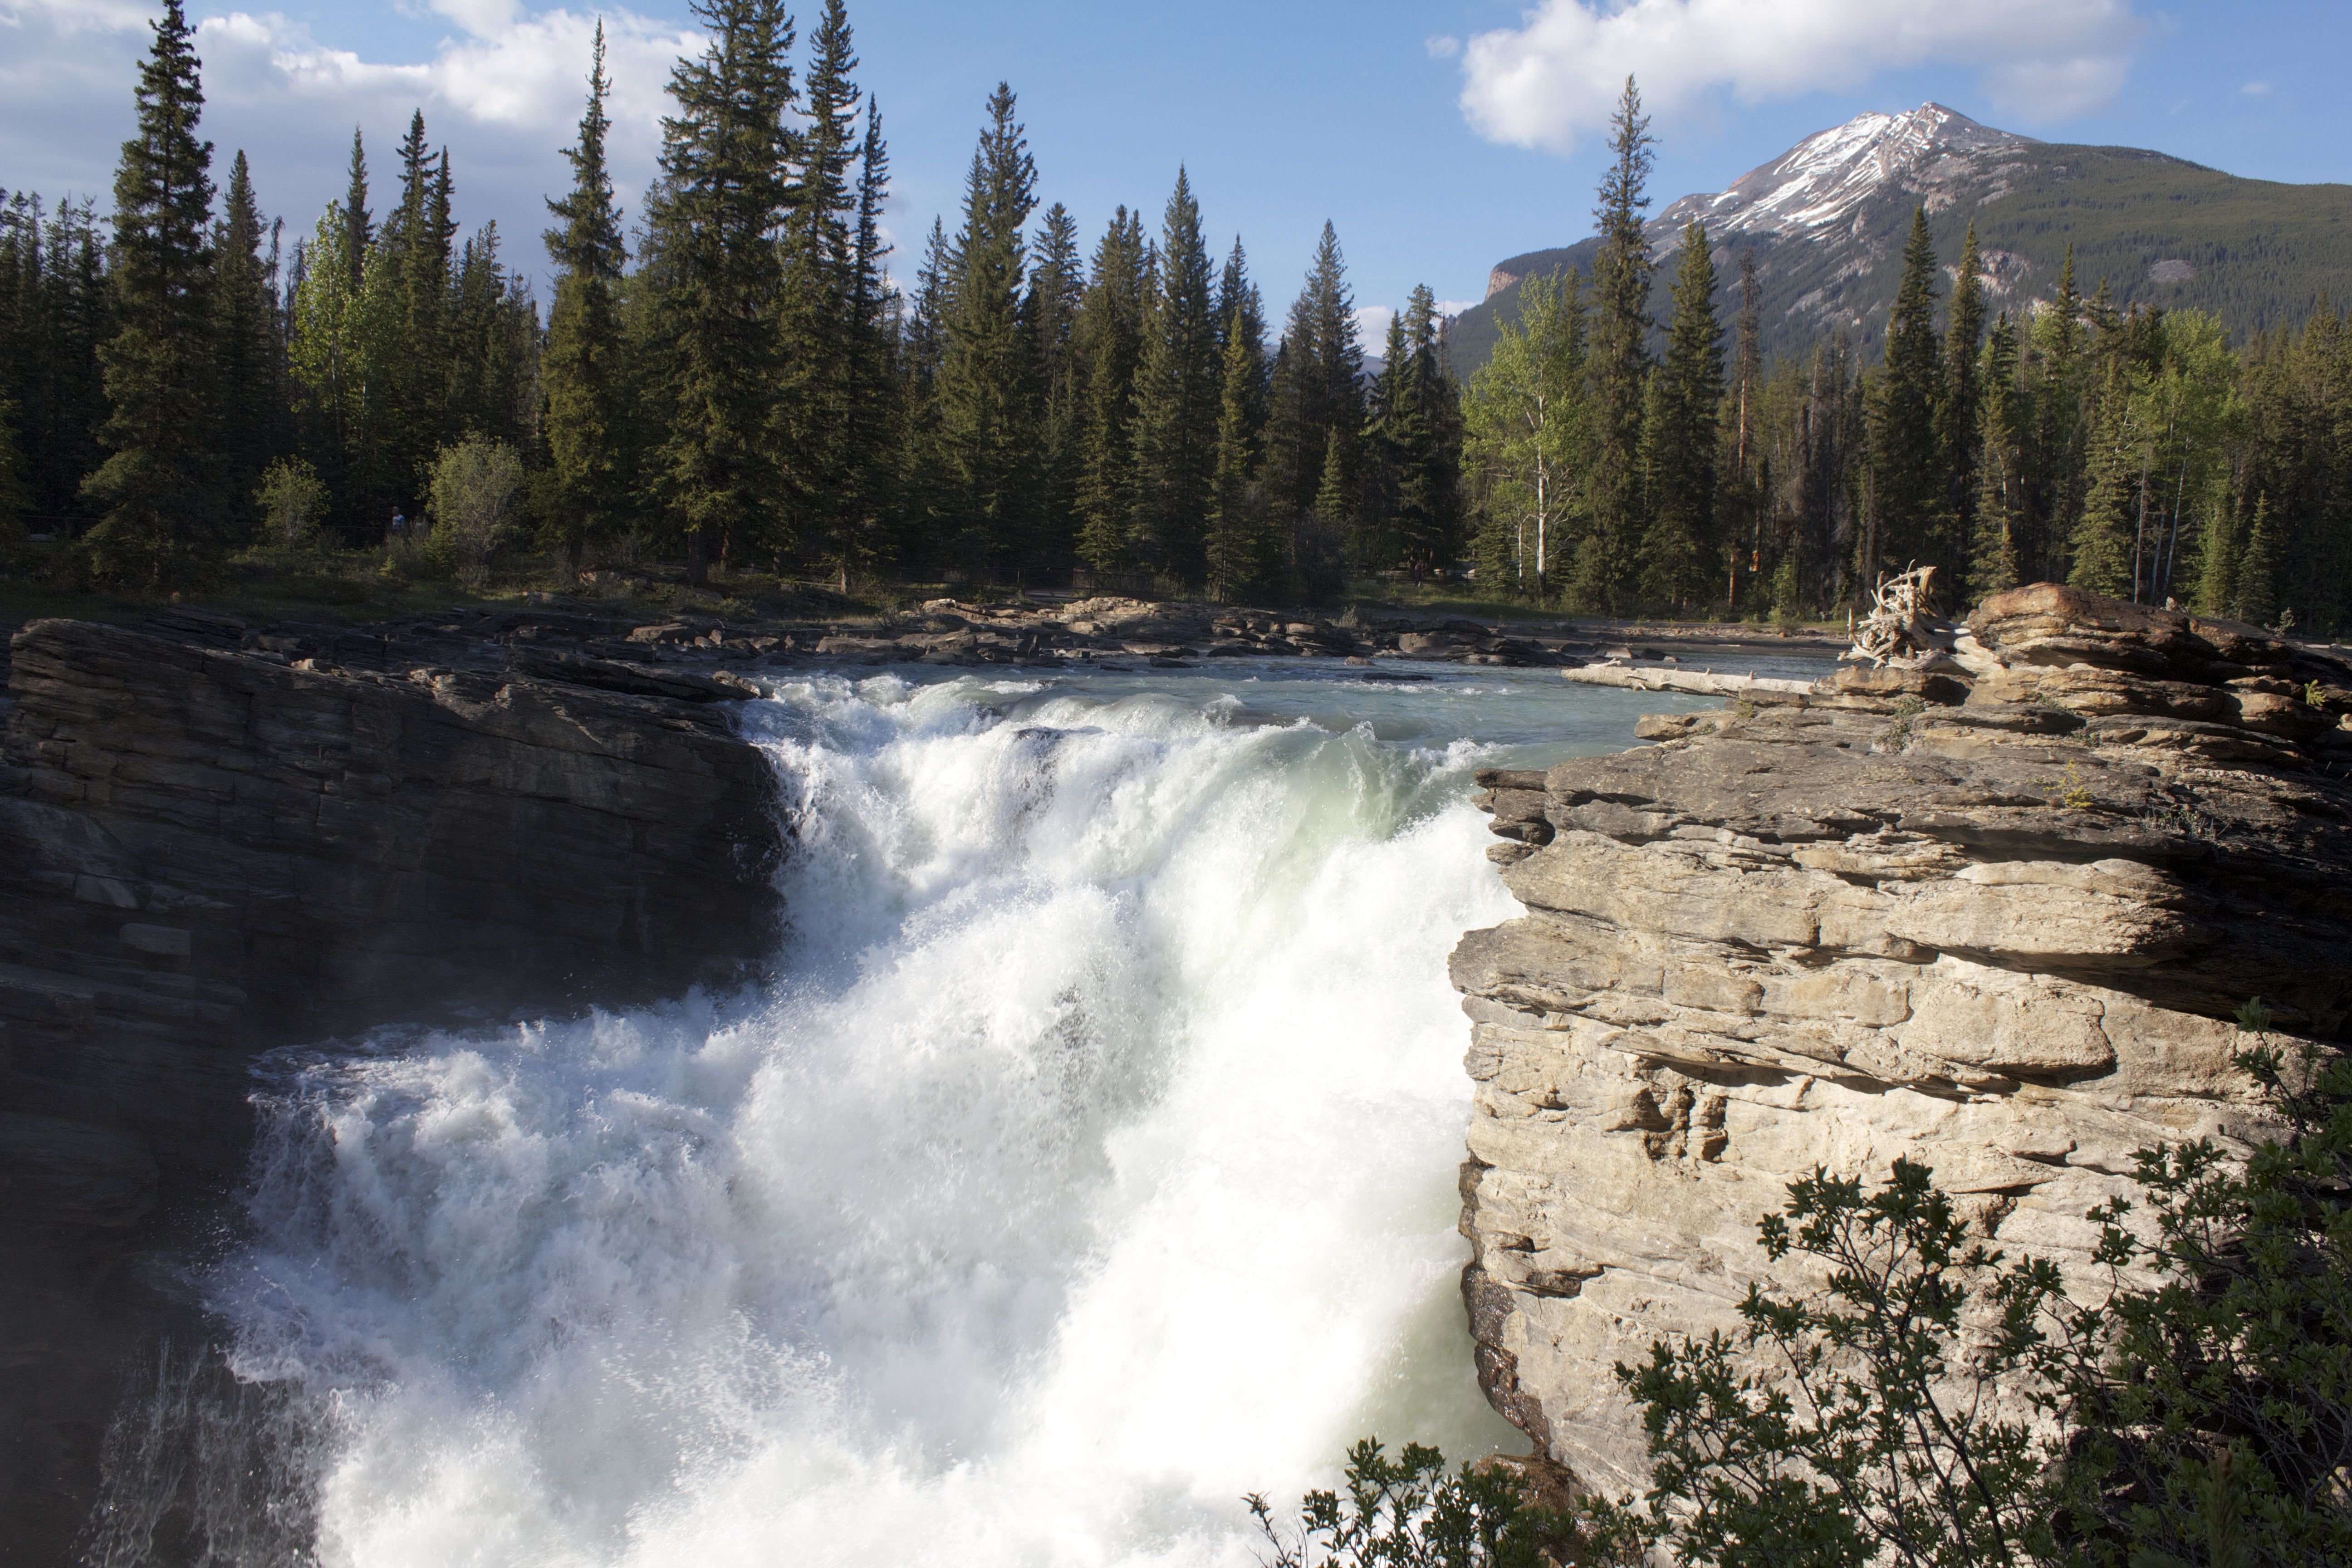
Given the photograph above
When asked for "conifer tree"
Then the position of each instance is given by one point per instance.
(359, 225)
(1619, 361)
(1960, 407)
(583, 374)
(1241, 311)
(163, 487)
(1416, 430)
(2055, 363)
(2257, 598)
(922, 492)
(2102, 542)
(876, 408)
(987, 384)
(722, 197)
(1056, 288)
(1994, 563)
(1178, 400)
(15, 492)
(1110, 342)
(1239, 554)
(1907, 469)
(1745, 480)
(251, 388)
(1680, 435)
(1317, 395)
(57, 309)
(418, 272)
(819, 321)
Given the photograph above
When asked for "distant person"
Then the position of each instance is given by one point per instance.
(399, 527)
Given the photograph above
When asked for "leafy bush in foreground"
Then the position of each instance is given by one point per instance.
(1939, 1406)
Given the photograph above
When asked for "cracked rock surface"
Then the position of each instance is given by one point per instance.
(1998, 923)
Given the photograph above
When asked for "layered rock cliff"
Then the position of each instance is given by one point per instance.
(218, 840)
(1997, 918)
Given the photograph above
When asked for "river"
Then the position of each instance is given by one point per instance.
(1086, 1160)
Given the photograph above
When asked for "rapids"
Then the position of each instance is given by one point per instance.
(1085, 1161)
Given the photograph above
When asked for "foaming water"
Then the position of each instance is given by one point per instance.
(1089, 1163)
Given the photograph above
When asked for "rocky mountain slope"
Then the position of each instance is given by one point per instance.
(1996, 919)
(1826, 222)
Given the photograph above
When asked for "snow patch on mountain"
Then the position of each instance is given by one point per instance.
(1818, 186)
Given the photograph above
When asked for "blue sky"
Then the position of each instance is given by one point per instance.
(1438, 137)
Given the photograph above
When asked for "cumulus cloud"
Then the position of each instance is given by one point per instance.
(504, 92)
(1442, 47)
(1551, 82)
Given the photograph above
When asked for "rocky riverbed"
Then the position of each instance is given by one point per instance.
(1996, 915)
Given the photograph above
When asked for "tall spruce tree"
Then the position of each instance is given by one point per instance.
(1907, 468)
(1239, 554)
(419, 272)
(1110, 342)
(1618, 361)
(359, 225)
(2255, 596)
(1994, 563)
(1058, 286)
(1178, 400)
(1316, 413)
(1959, 409)
(820, 326)
(162, 487)
(2103, 535)
(583, 371)
(1747, 474)
(1429, 475)
(1680, 436)
(875, 407)
(722, 198)
(987, 387)
(2055, 367)
(251, 383)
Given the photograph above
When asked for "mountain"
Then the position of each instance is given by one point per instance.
(1826, 221)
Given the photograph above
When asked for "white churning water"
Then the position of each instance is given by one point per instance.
(1089, 1162)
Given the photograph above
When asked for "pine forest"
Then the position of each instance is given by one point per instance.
(743, 379)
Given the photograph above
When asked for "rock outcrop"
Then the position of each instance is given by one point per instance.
(1998, 922)
(1122, 633)
(219, 840)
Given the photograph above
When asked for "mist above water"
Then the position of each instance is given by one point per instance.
(1089, 1162)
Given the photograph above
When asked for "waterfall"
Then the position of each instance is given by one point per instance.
(1087, 1162)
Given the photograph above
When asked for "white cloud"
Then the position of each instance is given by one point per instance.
(1442, 47)
(504, 93)
(1372, 327)
(1454, 307)
(2256, 88)
(1552, 82)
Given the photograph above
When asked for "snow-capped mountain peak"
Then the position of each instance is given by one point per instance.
(1818, 184)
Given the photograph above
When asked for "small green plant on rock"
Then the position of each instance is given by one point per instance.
(1899, 734)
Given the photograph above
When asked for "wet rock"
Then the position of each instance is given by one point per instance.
(225, 839)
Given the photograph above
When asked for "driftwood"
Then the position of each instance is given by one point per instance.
(1651, 678)
(1903, 629)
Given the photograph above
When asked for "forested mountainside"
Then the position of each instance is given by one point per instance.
(1826, 222)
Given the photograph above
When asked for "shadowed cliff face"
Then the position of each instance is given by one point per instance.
(213, 849)
(2000, 928)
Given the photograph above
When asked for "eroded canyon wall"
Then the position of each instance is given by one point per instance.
(1996, 919)
(216, 841)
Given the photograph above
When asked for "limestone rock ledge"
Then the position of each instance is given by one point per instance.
(209, 848)
(1998, 921)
